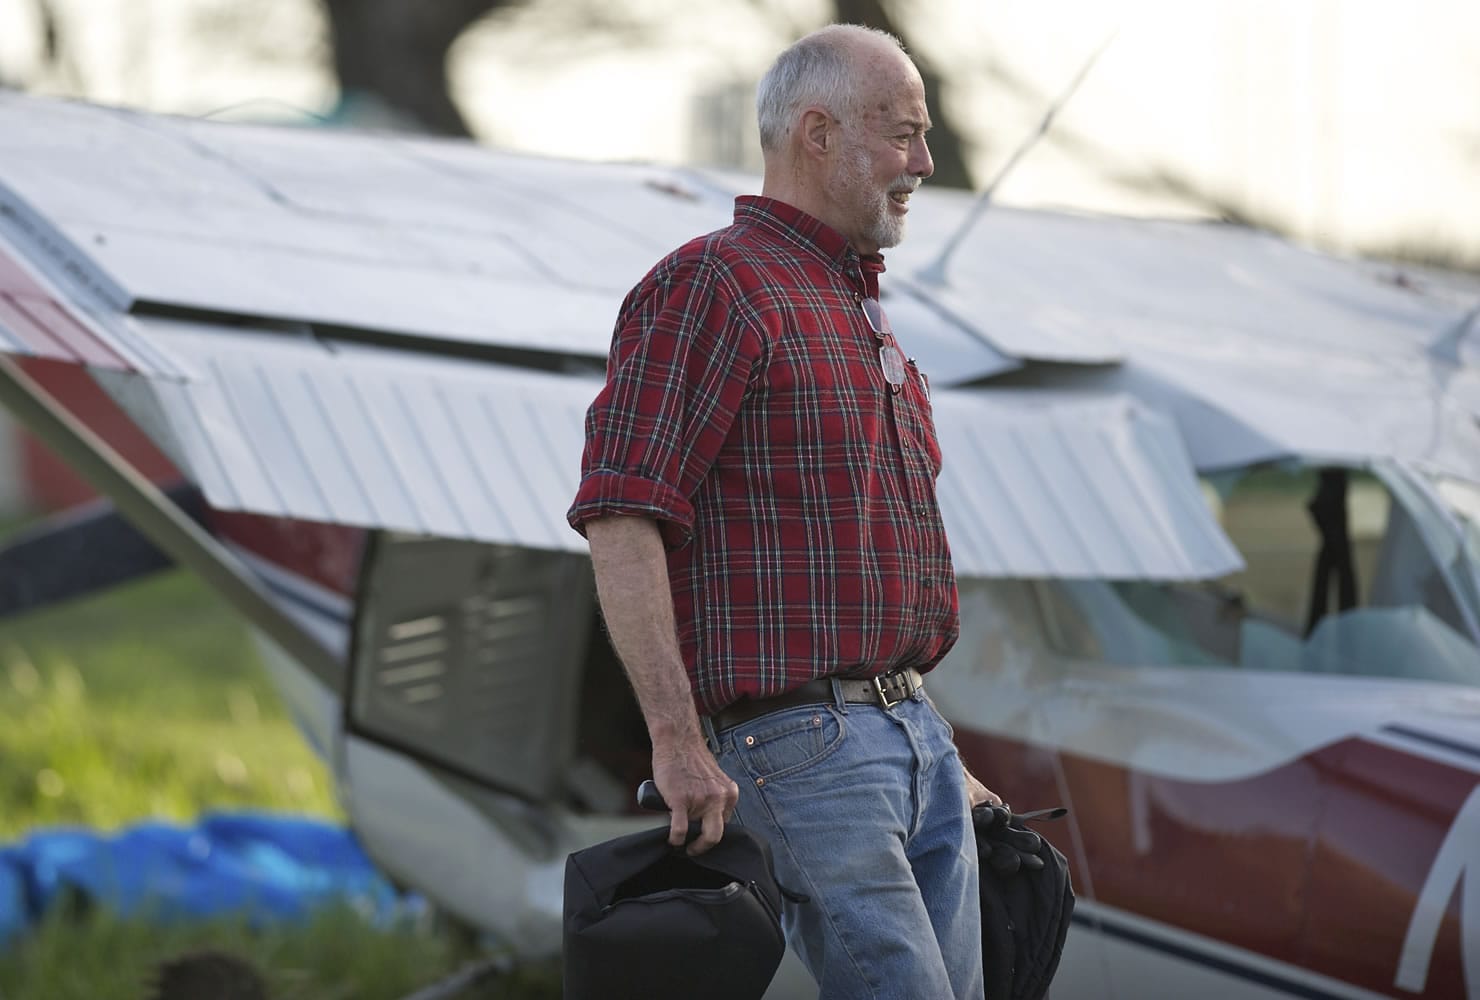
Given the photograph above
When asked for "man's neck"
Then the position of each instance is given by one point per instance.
(788, 186)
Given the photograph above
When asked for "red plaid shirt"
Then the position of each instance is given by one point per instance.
(745, 411)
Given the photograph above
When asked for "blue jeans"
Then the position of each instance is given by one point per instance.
(866, 811)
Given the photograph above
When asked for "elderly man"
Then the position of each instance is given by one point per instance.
(758, 491)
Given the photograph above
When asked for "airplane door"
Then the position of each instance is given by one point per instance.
(1396, 871)
(1394, 907)
(1197, 816)
(1255, 823)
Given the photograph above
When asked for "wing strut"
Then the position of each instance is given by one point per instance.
(160, 520)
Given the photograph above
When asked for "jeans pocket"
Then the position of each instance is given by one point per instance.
(784, 743)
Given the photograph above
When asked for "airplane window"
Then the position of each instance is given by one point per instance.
(1463, 501)
(1270, 515)
(1133, 623)
(1341, 577)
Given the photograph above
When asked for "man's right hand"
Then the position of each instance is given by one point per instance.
(695, 788)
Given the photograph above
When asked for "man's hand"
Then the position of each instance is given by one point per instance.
(1007, 848)
(980, 794)
(695, 788)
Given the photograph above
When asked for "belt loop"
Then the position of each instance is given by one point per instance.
(710, 736)
(840, 702)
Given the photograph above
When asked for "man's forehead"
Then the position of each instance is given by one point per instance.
(894, 87)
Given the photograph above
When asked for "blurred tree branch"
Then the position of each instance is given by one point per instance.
(56, 55)
(50, 36)
(395, 51)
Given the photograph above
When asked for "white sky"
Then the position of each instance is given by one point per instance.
(1356, 123)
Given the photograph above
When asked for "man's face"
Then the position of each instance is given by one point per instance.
(882, 159)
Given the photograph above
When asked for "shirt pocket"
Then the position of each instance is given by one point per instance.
(922, 413)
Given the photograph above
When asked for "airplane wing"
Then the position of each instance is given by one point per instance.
(1257, 348)
(404, 334)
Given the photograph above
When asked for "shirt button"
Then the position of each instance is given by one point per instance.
(923, 510)
(927, 581)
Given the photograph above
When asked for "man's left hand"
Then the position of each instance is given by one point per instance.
(980, 794)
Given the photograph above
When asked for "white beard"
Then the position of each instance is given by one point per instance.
(854, 186)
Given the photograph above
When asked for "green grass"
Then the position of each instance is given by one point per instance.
(145, 703)
(149, 703)
(335, 956)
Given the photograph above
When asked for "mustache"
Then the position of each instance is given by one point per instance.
(905, 183)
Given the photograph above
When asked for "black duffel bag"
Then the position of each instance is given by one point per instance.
(644, 920)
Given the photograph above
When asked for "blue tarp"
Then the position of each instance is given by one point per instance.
(262, 867)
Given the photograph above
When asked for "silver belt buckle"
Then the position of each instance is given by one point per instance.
(884, 698)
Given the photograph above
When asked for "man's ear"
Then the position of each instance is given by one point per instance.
(817, 131)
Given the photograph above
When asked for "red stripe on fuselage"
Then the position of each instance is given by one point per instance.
(1317, 863)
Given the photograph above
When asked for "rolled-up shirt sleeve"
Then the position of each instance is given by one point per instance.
(682, 359)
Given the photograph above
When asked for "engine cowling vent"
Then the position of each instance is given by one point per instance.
(466, 657)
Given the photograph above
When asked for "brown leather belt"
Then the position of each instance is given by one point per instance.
(884, 690)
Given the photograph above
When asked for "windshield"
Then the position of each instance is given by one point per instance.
(1348, 572)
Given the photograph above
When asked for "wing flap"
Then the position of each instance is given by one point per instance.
(372, 438)
(1049, 484)
(1039, 484)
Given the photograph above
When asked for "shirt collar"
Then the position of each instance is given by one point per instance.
(793, 224)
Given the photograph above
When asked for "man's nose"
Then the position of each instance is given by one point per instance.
(920, 163)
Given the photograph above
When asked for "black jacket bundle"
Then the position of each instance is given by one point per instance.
(1027, 902)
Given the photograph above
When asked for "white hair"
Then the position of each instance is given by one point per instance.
(815, 70)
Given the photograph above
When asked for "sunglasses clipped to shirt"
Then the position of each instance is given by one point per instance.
(891, 358)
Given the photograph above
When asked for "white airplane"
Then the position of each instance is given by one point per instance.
(368, 358)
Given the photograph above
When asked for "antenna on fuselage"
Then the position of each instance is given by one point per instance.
(934, 273)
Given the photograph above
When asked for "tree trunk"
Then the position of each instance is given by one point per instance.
(947, 147)
(396, 52)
